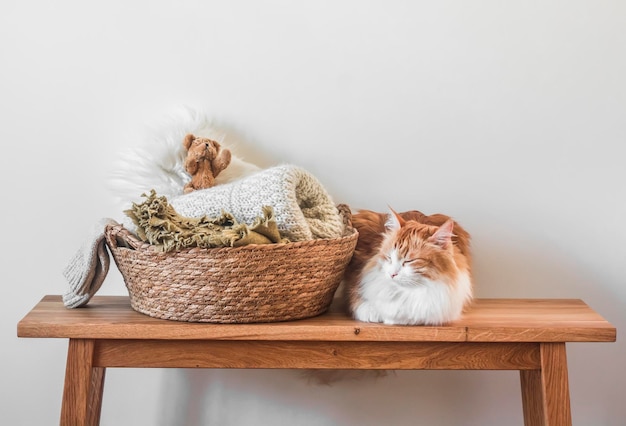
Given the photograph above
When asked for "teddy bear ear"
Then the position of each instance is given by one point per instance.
(188, 140)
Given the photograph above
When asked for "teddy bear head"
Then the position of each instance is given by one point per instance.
(205, 160)
(200, 148)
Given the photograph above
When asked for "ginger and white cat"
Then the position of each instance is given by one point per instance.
(408, 268)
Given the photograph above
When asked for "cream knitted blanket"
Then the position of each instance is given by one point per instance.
(303, 208)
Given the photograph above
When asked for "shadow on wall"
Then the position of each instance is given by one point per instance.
(197, 397)
(270, 397)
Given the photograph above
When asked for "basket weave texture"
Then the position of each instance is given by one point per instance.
(252, 283)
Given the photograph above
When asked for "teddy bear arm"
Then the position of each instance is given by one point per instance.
(221, 161)
(191, 165)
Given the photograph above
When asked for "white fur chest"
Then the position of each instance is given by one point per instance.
(427, 302)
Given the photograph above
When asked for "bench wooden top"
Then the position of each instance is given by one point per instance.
(488, 320)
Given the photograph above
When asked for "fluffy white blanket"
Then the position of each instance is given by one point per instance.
(158, 160)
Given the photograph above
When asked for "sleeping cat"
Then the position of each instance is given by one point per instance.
(408, 268)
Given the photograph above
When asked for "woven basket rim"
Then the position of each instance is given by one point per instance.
(227, 294)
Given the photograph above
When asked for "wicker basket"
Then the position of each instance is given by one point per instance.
(252, 283)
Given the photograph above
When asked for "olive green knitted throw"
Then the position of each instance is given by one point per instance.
(160, 225)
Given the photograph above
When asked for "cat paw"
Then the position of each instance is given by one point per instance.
(364, 312)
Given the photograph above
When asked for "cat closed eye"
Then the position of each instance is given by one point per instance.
(418, 261)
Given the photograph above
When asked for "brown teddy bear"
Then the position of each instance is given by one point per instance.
(205, 160)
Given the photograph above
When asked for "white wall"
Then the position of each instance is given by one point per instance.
(509, 116)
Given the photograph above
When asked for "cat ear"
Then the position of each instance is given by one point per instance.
(394, 220)
(443, 236)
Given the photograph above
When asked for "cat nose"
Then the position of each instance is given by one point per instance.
(394, 274)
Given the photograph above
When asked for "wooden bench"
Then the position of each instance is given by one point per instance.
(495, 334)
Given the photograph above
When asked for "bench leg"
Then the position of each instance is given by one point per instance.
(545, 392)
(84, 383)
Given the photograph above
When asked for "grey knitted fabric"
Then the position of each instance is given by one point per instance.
(303, 208)
(88, 268)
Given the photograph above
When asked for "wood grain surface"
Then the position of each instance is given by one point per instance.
(84, 385)
(323, 355)
(488, 320)
(494, 334)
